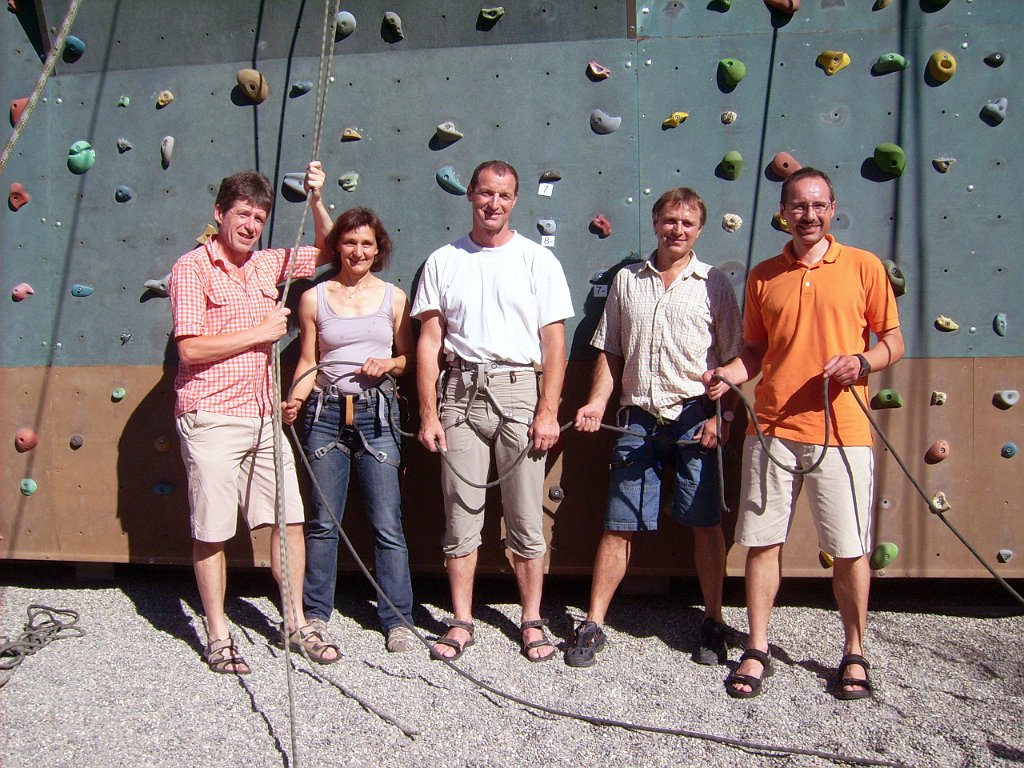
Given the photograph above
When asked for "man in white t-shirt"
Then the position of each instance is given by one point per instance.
(492, 307)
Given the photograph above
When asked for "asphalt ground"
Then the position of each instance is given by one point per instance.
(946, 656)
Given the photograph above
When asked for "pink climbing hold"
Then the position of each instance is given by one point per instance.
(17, 196)
(783, 164)
(17, 107)
(601, 226)
(784, 6)
(25, 440)
(21, 291)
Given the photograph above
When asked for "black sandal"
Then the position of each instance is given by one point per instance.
(527, 647)
(460, 648)
(735, 678)
(589, 639)
(864, 684)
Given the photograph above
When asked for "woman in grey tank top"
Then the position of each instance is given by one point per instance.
(360, 326)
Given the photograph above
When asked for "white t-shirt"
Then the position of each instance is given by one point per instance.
(494, 301)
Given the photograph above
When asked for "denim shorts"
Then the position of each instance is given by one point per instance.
(638, 463)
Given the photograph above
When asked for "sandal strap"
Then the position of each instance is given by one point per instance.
(537, 644)
(533, 624)
(216, 646)
(757, 655)
(853, 658)
(451, 621)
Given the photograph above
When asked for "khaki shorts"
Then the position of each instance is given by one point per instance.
(230, 465)
(839, 494)
(470, 453)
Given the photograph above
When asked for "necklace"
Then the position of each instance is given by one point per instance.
(352, 290)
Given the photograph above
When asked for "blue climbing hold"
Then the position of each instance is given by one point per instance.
(301, 87)
(449, 181)
(81, 291)
(123, 193)
(163, 489)
(1008, 451)
(28, 486)
(74, 47)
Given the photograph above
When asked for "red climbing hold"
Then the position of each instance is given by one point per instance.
(17, 196)
(601, 226)
(783, 164)
(25, 440)
(17, 107)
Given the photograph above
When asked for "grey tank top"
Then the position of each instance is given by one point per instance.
(351, 340)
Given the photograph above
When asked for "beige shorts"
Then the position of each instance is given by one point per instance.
(839, 494)
(230, 465)
(470, 449)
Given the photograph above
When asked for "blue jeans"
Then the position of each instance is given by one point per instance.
(379, 483)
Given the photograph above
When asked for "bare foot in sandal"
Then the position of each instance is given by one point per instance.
(223, 657)
(455, 641)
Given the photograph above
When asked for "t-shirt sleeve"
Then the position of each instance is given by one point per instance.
(754, 331)
(554, 302)
(428, 293)
(880, 301)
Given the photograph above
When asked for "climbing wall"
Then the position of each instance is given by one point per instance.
(601, 106)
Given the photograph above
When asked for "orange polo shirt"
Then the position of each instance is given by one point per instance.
(803, 316)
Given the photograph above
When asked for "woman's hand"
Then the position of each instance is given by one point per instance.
(376, 367)
(290, 410)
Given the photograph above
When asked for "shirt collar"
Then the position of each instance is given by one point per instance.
(830, 256)
(696, 268)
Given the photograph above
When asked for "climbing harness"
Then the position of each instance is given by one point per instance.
(378, 398)
(44, 625)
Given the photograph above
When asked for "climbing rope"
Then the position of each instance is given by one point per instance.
(44, 625)
(44, 75)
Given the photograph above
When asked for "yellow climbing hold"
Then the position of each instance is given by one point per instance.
(674, 119)
(833, 61)
(942, 66)
(825, 559)
(939, 503)
(351, 134)
(947, 324)
(163, 99)
(207, 233)
(779, 223)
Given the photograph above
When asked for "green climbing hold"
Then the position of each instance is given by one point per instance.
(890, 158)
(449, 181)
(886, 398)
(74, 47)
(732, 165)
(124, 101)
(349, 181)
(723, 5)
(732, 71)
(890, 62)
(1006, 398)
(999, 323)
(81, 157)
(896, 278)
(492, 14)
(118, 394)
(883, 555)
(28, 486)
(344, 24)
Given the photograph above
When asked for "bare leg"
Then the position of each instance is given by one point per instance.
(851, 582)
(291, 603)
(709, 558)
(610, 564)
(211, 577)
(461, 571)
(530, 578)
(763, 574)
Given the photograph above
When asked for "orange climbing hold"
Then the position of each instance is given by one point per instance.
(17, 107)
(17, 196)
(938, 451)
(25, 440)
(783, 164)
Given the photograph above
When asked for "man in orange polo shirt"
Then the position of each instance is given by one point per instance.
(224, 301)
(810, 314)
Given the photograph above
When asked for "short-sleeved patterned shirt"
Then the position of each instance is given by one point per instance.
(206, 300)
(668, 337)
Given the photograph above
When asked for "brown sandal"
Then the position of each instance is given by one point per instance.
(460, 648)
(527, 647)
(223, 658)
(313, 642)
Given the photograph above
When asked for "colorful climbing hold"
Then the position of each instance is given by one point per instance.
(253, 84)
(731, 222)
(209, 231)
(732, 71)
(946, 324)
(884, 553)
(784, 6)
(162, 444)
(937, 451)
(889, 62)
(825, 560)
(601, 122)
(17, 107)
(118, 394)
(25, 439)
(349, 181)
(938, 398)
(81, 291)
(995, 59)
(556, 493)
(163, 99)
(81, 157)
(1006, 398)
(890, 158)
(123, 145)
(17, 196)
(124, 101)
(999, 323)
(833, 61)
(393, 22)
(344, 24)
(492, 14)
(546, 226)
(21, 291)
(160, 286)
(779, 223)
(1004, 555)
(1008, 451)
(166, 151)
(294, 185)
(351, 134)
(123, 193)
(732, 165)
(673, 120)
(550, 174)
(939, 503)
(600, 226)
(449, 181)
(942, 66)
(74, 47)
(994, 112)
(596, 71)
(943, 164)
(448, 132)
(729, 117)
(28, 486)
(76, 442)
(783, 164)
(896, 278)
(300, 87)
(886, 398)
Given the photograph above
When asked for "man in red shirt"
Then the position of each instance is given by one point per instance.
(224, 301)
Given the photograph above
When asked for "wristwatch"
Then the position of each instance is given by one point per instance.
(865, 366)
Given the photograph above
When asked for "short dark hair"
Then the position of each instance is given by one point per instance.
(245, 185)
(499, 168)
(806, 173)
(354, 218)
(680, 196)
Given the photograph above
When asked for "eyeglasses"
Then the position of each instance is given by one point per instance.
(801, 208)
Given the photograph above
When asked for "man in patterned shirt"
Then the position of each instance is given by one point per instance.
(664, 321)
(224, 301)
